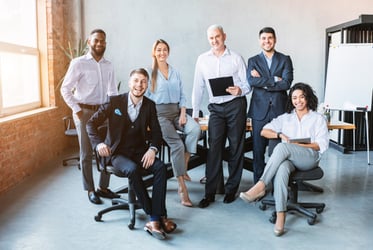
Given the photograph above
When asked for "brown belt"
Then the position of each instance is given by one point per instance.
(87, 106)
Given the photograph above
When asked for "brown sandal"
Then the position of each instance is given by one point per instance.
(168, 225)
(154, 229)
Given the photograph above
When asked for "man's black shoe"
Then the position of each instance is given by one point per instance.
(92, 196)
(107, 193)
(205, 202)
(229, 198)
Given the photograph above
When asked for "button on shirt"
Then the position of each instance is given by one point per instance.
(168, 90)
(91, 81)
(311, 125)
(209, 66)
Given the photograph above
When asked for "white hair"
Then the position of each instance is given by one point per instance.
(215, 27)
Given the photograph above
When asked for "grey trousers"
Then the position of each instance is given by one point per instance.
(86, 153)
(168, 117)
(287, 157)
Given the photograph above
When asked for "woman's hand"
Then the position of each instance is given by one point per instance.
(182, 117)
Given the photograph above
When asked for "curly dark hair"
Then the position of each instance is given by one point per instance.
(309, 93)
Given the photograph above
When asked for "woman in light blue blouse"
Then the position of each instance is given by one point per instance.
(166, 90)
(300, 121)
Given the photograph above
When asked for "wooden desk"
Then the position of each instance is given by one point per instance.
(340, 125)
(332, 125)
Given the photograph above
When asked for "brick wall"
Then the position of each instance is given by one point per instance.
(29, 145)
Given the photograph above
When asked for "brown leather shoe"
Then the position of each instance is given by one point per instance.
(107, 193)
(154, 229)
(168, 225)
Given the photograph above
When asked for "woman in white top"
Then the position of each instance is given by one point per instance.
(166, 90)
(300, 121)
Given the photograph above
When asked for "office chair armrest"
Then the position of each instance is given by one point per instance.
(100, 163)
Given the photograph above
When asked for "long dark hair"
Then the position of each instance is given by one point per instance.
(309, 93)
(155, 63)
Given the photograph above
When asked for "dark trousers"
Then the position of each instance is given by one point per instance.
(227, 120)
(260, 143)
(157, 204)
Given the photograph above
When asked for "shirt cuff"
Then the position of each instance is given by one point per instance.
(154, 149)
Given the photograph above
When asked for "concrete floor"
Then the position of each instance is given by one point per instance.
(51, 211)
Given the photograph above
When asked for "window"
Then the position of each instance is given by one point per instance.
(19, 57)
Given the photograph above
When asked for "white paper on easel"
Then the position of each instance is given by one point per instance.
(349, 79)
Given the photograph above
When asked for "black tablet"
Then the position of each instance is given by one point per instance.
(220, 84)
(301, 140)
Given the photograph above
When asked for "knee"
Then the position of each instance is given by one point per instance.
(132, 171)
(178, 147)
(196, 131)
(280, 147)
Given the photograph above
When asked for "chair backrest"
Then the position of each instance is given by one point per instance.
(189, 111)
(69, 126)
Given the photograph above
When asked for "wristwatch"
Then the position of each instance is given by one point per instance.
(278, 135)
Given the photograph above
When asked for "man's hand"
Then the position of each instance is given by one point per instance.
(235, 90)
(278, 78)
(254, 73)
(103, 150)
(148, 158)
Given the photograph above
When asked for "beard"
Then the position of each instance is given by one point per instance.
(98, 52)
(138, 94)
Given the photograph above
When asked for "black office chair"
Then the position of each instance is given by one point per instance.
(296, 178)
(70, 131)
(131, 204)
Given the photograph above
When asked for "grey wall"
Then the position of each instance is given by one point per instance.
(133, 25)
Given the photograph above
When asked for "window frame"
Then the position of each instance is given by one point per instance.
(40, 52)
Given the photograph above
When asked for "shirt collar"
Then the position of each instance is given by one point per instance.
(89, 56)
(131, 104)
(226, 52)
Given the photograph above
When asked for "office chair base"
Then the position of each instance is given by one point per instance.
(120, 204)
(66, 161)
(300, 207)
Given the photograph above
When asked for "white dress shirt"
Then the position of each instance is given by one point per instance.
(89, 82)
(132, 109)
(209, 66)
(311, 125)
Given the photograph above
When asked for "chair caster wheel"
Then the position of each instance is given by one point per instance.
(273, 218)
(320, 209)
(311, 221)
(98, 218)
(262, 207)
